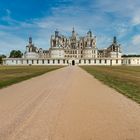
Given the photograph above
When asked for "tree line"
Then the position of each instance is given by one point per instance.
(13, 54)
(1, 57)
(131, 55)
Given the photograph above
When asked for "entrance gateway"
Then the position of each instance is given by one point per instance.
(73, 62)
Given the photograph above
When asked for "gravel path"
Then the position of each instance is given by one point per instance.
(67, 104)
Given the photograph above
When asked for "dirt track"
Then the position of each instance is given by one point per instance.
(67, 104)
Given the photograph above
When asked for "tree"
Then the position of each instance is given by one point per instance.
(131, 55)
(1, 57)
(15, 54)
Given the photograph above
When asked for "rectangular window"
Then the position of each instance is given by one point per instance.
(43, 61)
(32, 61)
(116, 61)
(48, 61)
(27, 61)
(89, 61)
(100, 61)
(58, 61)
(111, 62)
(63, 61)
(95, 61)
(85, 61)
(53, 61)
(37, 62)
(105, 61)
(129, 61)
(79, 61)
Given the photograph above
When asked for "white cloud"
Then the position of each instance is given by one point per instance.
(136, 40)
(132, 46)
(136, 18)
(10, 42)
(65, 17)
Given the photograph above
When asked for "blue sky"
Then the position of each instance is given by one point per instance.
(20, 19)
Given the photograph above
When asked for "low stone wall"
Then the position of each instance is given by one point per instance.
(132, 61)
(21, 61)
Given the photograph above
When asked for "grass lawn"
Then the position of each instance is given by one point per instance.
(14, 74)
(124, 79)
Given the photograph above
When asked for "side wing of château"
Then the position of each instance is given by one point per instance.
(73, 50)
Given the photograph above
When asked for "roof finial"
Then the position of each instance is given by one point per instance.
(73, 30)
(89, 33)
(56, 33)
(30, 40)
(115, 40)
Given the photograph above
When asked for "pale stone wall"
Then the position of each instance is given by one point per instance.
(22, 61)
(31, 55)
(57, 53)
(133, 61)
(115, 55)
(90, 53)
